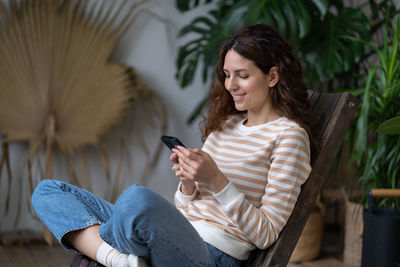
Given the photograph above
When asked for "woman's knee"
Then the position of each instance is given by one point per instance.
(138, 203)
(43, 189)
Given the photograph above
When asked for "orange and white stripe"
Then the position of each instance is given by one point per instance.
(266, 166)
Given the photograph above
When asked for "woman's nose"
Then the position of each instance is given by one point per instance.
(230, 84)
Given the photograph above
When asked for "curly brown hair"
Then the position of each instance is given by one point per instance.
(263, 45)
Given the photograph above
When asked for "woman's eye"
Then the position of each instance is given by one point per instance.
(244, 76)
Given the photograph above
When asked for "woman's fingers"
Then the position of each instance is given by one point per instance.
(174, 158)
(195, 164)
(181, 165)
(198, 151)
(175, 167)
(180, 171)
(188, 153)
(187, 166)
(186, 156)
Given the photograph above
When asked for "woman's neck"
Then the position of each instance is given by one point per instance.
(261, 117)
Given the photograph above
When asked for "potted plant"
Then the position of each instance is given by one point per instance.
(382, 225)
(378, 154)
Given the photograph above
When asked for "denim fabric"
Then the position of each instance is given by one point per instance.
(222, 259)
(141, 223)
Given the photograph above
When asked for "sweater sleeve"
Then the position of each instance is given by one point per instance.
(181, 200)
(289, 169)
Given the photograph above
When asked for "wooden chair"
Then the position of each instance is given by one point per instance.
(333, 115)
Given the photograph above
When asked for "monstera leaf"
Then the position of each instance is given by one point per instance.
(327, 50)
(185, 5)
(204, 47)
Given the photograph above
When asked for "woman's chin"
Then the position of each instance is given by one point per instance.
(240, 108)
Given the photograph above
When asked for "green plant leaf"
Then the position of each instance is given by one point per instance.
(393, 55)
(327, 50)
(391, 126)
(322, 6)
(208, 31)
(185, 5)
(362, 120)
(197, 111)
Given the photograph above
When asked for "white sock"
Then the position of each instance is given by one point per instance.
(110, 257)
(135, 261)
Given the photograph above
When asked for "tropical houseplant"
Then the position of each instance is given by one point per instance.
(377, 154)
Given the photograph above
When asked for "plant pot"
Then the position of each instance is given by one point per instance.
(308, 246)
(381, 237)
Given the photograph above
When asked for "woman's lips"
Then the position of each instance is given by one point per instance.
(238, 97)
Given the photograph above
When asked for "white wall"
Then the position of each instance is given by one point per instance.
(150, 46)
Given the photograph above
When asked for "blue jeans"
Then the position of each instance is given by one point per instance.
(141, 223)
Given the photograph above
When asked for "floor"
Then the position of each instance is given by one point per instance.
(323, 262)
(33, 255)
(17, 253)
(42, 255)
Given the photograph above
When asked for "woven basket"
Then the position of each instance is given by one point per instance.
(353, 234)
(309, 244)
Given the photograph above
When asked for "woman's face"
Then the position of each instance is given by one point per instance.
(247, 84)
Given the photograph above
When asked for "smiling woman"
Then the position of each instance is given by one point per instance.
(235, 194)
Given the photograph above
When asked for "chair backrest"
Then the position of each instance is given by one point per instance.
(333, 115)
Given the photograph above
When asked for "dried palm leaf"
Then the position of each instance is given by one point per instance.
(56, 83)
(57, 86)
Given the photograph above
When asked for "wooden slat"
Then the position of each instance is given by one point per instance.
(378, 192)
(334, 113)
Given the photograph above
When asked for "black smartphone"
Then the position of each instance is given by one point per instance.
(171, 141)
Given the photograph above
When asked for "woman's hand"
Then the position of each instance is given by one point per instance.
(197, 165)
(187, 185)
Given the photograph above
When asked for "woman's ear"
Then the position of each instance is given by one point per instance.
(273, 77)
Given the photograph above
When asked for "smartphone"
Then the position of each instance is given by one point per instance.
(171, 141)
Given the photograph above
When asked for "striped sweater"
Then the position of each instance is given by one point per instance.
(266, 166)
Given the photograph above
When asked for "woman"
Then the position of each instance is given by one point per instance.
(235, 194)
